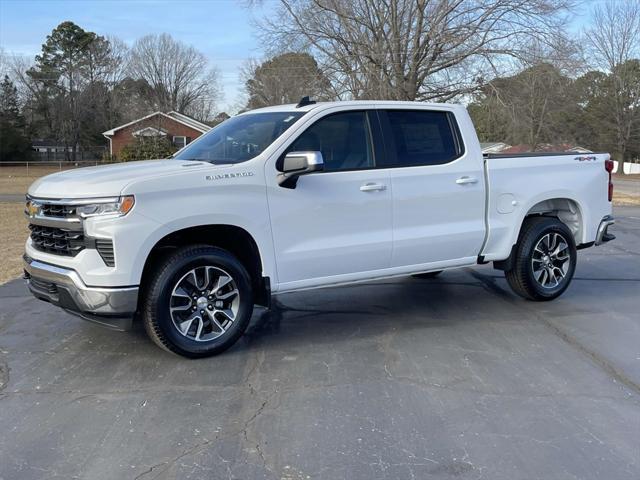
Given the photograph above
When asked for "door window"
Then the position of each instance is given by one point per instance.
(421, 137)
(343, 139)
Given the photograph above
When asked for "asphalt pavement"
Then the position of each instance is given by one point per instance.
(11, 197)
(454, 377)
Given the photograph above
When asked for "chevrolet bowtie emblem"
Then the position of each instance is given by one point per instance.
(32, 209)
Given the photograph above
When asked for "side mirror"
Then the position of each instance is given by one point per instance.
(299, 163)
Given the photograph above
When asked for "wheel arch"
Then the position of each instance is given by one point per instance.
(566, 209)
(236, 240)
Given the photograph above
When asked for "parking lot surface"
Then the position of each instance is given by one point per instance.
(454, 377)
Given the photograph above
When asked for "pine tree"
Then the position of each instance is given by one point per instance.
(63, 71)
(14, 144)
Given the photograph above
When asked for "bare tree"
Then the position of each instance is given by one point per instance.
(28, 89)
(615, 34)
(4, 62)
(285, 78)
(412, 49)
(205, 105)
(177, 74)
(532, 106)
(529, 108)
(107, 59)
(615, 41)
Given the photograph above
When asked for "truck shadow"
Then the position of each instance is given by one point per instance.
(406, 306)
(337, 314)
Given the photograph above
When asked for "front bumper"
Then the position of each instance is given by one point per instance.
(110, 307)
(603, 235)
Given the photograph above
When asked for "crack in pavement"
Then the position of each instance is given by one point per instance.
(165, 465)
(251, 378)
(599, 360)
(4, 375)
(249, 384)
(595, 357)
(168, 463)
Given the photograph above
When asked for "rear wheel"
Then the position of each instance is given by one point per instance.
(199, 302)
(427, 275)
(545, 259)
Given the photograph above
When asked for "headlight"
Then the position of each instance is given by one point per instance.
(108, 206)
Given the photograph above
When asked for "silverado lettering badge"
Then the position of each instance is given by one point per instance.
(221, 176)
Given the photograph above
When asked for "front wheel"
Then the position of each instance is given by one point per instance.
(199, 302)
(545, 259)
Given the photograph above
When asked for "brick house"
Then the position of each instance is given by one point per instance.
(178, 128)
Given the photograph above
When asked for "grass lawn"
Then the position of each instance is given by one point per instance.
(634, 177)
(13, 234)
(17, 179)
(625, 199)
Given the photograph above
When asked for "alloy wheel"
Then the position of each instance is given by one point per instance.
(204, 303)
(551, 260)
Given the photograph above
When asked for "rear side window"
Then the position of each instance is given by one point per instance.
(343, 139)
(421, 138)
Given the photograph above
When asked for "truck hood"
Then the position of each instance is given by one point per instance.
(105, 180)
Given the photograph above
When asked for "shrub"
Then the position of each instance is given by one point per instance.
(147, 148)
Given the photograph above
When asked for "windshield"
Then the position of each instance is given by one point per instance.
(240, 138)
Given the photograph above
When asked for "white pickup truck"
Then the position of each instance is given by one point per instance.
(302, 196)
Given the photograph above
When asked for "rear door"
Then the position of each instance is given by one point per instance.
(336, 224)
(438, 189)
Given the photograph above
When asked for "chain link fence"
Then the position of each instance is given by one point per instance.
(61, 155)
(35, 167)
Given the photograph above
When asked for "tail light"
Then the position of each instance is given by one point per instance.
(608, 166)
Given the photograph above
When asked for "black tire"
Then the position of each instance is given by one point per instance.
(157, 300)
(521, 276)
(427, 275)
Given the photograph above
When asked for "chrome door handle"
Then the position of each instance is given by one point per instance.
(372, 187)
(466, 180)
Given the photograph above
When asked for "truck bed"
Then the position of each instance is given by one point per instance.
(520, 184)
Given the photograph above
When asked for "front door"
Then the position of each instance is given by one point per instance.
(336, 224)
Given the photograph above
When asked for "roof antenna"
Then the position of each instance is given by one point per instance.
(304, 101)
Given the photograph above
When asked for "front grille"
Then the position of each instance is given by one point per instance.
(56, 240)
(59, 211)
(105, 249)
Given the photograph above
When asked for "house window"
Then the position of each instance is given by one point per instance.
(179, 141)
